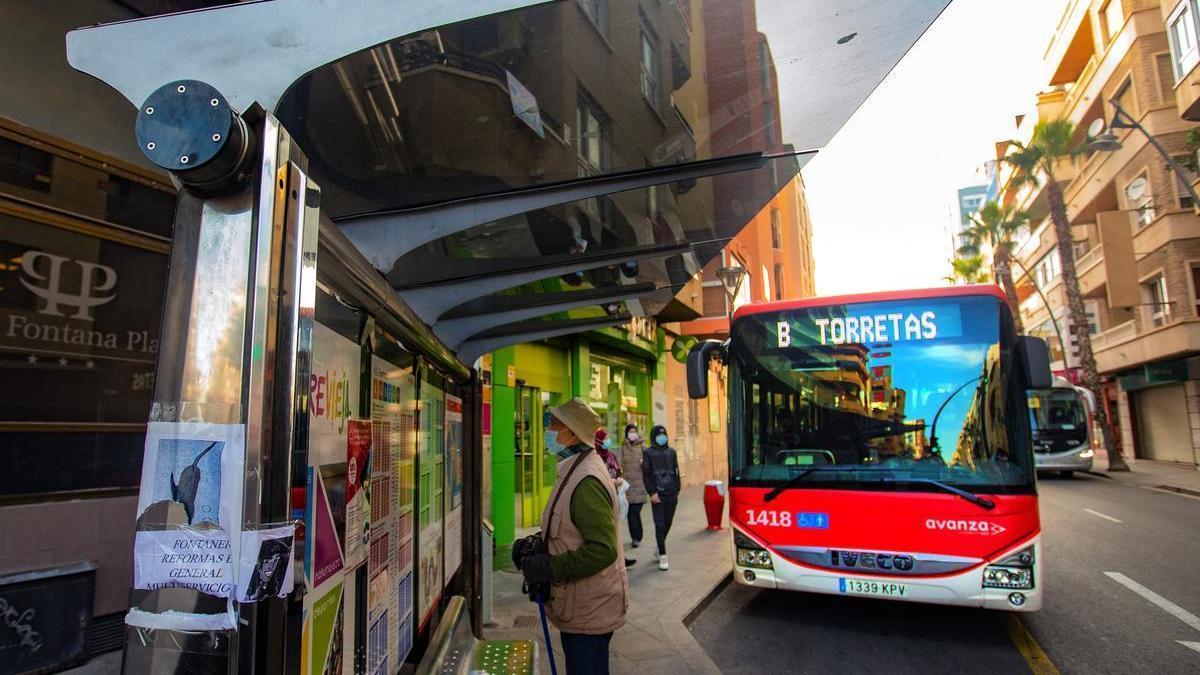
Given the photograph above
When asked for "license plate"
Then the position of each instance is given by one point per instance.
(883, 589)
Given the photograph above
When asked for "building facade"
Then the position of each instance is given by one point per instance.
(1135, 228)
(85, 226)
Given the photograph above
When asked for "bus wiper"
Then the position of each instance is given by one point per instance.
(789, 484)
(982, 502)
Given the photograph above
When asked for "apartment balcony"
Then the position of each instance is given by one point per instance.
(1139, 341)
(1187, 95)
(1090, 270)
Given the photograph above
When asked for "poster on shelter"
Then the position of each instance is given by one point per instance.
(431, 500)
(191, 484)
(454, 484)
(266, 568)
(326, 631)
(358, 494)
(200, 560)
(198, 468)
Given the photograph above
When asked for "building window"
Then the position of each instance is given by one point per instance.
(1112, 17)
(650, 71)
(1124, 96)
(597, 13)
(1048, 269)
(764, 68)
(766, 282)
(1092, 309)
(1196, 287)
(769, 128)
(1182, 186)
(1166, 77)
(778, 281)
(1137, 194)
(776, 229)
(1181, 32)
(593, 141)
(1158, 305)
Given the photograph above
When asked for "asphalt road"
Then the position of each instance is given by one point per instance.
(1120, 598)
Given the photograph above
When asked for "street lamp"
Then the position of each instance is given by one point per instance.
(1025, 273)
(731, 278)
(1108, 142)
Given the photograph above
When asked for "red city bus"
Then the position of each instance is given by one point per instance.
(880, 445)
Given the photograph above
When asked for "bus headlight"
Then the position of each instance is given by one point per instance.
(1014, 571)
(749, 553)
(748, 557)
(1007, 577)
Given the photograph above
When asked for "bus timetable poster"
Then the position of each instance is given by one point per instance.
(390, 562)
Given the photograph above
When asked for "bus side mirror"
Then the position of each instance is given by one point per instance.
(1035, 359)
(697, 366)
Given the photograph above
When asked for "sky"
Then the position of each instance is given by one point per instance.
(882, 193)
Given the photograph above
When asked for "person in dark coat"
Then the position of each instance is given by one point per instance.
(660, 473)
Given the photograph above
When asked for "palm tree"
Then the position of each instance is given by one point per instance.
(967, 269)
(997, 227)
(1033, 163)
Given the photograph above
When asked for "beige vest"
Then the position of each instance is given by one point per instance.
(595, 605)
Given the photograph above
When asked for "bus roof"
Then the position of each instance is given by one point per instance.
(879, 296)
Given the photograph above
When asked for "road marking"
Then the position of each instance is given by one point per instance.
(1101, 515)
(1194, 646)
(1163, 603)
(1168, 492)
(1027, 645)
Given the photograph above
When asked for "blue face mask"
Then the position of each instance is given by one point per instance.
(661, 439)
(553, 446)
(606, 443)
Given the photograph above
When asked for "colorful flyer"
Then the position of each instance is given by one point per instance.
(326, 633)
(358, 500)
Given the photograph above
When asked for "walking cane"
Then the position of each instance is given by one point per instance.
(546, 634)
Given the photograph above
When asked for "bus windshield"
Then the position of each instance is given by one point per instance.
(879, 395)
(1059, 420)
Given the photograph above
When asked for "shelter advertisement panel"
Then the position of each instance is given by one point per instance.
(430, 509)
(333, 398)
(454, 484)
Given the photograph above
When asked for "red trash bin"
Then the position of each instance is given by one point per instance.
(714, 503)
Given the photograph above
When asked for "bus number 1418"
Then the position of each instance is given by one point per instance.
(769, 518)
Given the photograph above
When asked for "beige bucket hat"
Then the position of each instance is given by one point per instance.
(579, 418)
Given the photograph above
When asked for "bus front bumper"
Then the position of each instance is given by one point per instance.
(1079, 459)
(964, 589)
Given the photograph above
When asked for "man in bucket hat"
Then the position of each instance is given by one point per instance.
(584, 559)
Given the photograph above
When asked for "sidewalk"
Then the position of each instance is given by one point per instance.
(1151, 474)
(654, 638)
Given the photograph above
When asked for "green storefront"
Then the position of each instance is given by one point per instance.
(613, 369)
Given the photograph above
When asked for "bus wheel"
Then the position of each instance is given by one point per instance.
(1068, 475)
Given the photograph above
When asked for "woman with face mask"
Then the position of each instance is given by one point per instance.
(660, 471)
(631, 468)
(603, 445)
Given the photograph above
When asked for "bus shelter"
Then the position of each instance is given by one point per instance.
(375, 195)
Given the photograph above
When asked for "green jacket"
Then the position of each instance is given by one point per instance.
(593, 515)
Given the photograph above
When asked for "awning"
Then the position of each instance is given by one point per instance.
(517, 168)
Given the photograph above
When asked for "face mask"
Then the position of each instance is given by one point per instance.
(633, 437)
(661, 439)
(553, 446)
(606, 443)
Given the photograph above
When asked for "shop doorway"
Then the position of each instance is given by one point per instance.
(535, 454)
